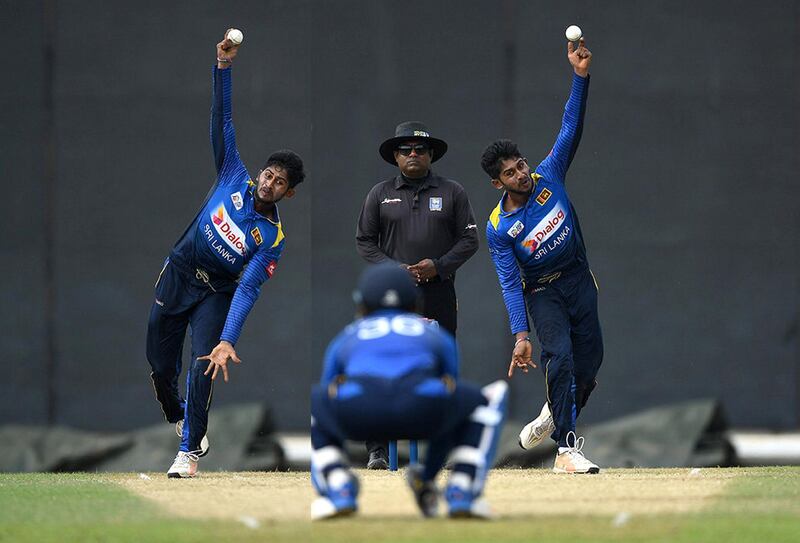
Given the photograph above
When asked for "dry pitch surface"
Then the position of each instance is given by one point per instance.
(512, 493)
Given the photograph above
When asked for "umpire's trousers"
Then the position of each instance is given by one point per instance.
(564, 313)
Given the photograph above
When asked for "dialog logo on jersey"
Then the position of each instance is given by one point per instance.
(271, 268)
(228, 230)
(546, 228)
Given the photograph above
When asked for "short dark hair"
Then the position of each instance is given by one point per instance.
(495, 153)
(289, 161)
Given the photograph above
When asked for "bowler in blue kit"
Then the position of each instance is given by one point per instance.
(391, 375)
(536, 244)
(214, 274)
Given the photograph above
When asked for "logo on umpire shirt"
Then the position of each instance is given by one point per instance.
(435, 203)
(226, 228)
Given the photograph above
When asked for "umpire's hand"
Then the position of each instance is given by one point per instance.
(521, 357)
(219, 359)
(226, 52)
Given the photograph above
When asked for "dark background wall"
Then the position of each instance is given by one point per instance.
(132, 88)
(685, 183)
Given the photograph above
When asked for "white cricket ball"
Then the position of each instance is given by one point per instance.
(574, 33)
(236, 37)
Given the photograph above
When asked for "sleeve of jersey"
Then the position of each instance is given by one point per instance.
(331, 365)
(466, 238)
(223, 137)
(259, 269)
(505, 264)
(557, 162)
(368, 230)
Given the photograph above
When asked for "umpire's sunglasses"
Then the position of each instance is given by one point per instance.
(419, 148)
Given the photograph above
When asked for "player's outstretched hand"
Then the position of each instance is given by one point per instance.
(226, 51)
(521, 357)
(580, 57)
(218, 358)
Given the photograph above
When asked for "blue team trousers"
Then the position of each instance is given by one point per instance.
(564, 313)
(181, 303)
(394, 409)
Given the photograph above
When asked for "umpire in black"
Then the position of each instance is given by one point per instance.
(423, 222)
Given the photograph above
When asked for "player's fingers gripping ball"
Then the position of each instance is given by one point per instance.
(234, 36)
(229, 46)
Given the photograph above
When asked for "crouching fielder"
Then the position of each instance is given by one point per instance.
(389, 376)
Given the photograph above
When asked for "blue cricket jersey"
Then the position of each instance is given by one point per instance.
(390, 344)
(544, 236)
(228, 239)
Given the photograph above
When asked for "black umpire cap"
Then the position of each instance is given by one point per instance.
(408, 131)
(386, 286)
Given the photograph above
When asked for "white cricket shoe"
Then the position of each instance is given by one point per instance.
(184, 466)
(538, 429)
(204, 443)
(572, 460)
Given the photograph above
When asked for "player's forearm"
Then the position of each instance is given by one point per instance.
(571, 129)
(222, 132)
(242, 303)
(575, 107)
(517, 315)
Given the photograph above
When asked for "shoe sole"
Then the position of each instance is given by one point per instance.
(340, 513)
(175, 475)
(378, 464)
(324, 509)
(591, 471)
(469, 513)
(534, 443)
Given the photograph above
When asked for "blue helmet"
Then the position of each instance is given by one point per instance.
(386, 286)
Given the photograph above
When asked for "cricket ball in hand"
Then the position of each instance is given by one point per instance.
(574, 33)
(236, 37)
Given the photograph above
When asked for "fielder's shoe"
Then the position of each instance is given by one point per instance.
(204, 444)
(378, 459)
(572, 460)
(184, 466)
(425, 492)
(538, 429)
(463, 504)
(340, 500)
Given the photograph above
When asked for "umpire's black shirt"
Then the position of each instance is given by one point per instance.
(408, 220)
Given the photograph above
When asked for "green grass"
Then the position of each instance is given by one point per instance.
(759, 505)
(44, 508)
